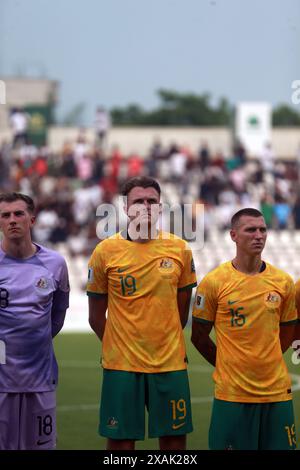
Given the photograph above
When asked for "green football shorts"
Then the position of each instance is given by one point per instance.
(252, 426)
(125, 395)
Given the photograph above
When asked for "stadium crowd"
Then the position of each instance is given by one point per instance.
(69, 185)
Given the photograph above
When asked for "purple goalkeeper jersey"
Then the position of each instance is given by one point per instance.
(34, 296)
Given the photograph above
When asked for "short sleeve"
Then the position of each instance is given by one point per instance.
(97, 278)
(288, 309)
(63, 283)
(206, 301)
(188, 278)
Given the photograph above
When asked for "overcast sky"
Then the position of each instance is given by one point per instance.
(117, 52)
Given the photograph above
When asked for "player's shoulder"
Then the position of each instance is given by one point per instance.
(221, 270)
(277, 273)
(218, 275)
(172, 239)
(49, 256)
(110, 242)
(110, 245)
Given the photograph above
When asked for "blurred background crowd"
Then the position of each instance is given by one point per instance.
(68, 185)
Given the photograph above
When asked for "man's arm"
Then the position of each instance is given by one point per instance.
(201, 340)
(183, 302)
(97, 311)
(286, 335)
(60, 304)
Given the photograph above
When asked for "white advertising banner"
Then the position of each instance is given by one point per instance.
(253, 126)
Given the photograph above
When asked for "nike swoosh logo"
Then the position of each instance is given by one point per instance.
(41, 443)
(231, 302)
(121, 270)
(177, 426)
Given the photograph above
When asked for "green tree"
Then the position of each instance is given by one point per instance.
(284, 115)
(176, 109)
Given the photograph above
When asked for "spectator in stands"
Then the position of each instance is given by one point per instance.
(296, 213)
(102, 125)
(240, 153)
(5, 163)
(178, 162)
(156, 153)
(204, 155)
(267, 209)
(68, 167)
(268, 158)
(116, 161)
(46, 222)
(97, 159)
(282, 213)
(19, 121)
(81, 147)
(134, 165)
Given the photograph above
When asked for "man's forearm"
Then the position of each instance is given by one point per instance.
(98, 327)
(206, 348)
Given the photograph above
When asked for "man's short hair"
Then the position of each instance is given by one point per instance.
(247, 211)
(12, 197)
(140, 181)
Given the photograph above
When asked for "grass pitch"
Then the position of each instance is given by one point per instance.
(78, 394)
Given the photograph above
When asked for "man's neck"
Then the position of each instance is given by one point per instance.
(248, 265)
(141, 236)
(19, 248)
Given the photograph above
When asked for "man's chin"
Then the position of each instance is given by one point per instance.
(257, 250)
(144, 231)
(14, 235)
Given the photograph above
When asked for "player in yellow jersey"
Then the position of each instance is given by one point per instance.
(251, 305)
(145, 279)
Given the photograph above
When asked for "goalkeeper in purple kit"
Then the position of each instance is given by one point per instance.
(34, 297)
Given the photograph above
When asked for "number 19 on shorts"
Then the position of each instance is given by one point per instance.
(178, 413)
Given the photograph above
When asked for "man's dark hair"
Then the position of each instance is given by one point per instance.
(12, 197)
(140, 181)
(247, 211)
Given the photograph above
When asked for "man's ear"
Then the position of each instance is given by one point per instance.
(32, 219)
(125, 205)
(233, 235)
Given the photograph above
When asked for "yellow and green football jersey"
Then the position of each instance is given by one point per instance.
(143, 331)
(247, 312)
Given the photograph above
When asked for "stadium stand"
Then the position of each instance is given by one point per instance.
(70, 184)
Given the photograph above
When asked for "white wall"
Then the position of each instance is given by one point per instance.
(285, 141)
(140, 139)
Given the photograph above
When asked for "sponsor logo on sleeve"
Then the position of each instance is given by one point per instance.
(90, 275)
(199, 301)
(193, 269)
